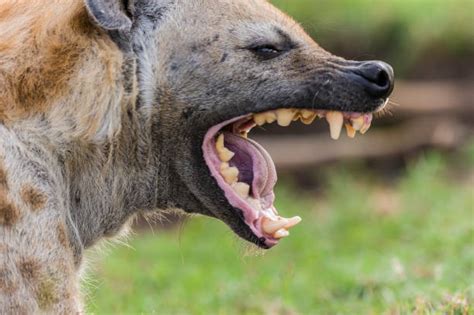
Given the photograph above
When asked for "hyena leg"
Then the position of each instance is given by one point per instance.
(37, 262)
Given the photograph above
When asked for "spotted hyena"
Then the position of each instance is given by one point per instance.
(109, 108)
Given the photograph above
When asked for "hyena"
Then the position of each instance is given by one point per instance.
(109, 108)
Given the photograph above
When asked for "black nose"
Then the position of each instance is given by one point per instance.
(377, 77)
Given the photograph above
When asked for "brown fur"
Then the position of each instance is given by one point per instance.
(29, 269)
(9, 213)
(3, 177)
(33, 197)
(43, 47)
(62, 235)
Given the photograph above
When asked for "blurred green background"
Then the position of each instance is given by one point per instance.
(390, 232)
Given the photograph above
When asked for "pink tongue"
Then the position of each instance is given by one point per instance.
(254, 163)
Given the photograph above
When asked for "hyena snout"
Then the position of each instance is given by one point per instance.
(376, 77)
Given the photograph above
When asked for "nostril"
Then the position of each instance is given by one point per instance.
(377, 77)
(382, 78)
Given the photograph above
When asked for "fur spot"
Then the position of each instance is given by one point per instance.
(3, 177)
(9, 213)
(46, 294)
(33, 197)
(29, 269)
(62, 235)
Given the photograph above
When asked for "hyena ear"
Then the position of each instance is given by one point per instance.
(111, 15)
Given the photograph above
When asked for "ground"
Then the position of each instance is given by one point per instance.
(366, 246)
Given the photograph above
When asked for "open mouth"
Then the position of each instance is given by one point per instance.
(246, 173)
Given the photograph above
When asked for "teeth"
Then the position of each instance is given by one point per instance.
(351, 132)
(278, 227)
(284, 117)
(259, 119)
(365, 127)
(307, 116)
(225, 155)
(292, 222)
(270, 117)
(335, 120)
(281, 233)
(242, 189)
(263, 118)
(270, 226)
(357, 123)
(230, 174)
(306, 113)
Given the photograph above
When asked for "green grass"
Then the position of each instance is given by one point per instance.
(364, 247)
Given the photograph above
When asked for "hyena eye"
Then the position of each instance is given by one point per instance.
(266, 51)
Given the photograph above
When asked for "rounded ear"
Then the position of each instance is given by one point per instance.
(111, 15)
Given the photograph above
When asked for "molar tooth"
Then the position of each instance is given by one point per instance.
(281, 233)
(259, 119)
(308, 116)
(357, 123)
(230, 174)
(351, 132)
(225, 155)
(224, 166)
(307, 113)
(284, 116)
(242, 189)
(297, 115)
(335, 120)
(270, 117)
(270, 226)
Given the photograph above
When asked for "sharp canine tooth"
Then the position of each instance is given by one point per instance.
(351, 132)
(335, 120)
(281, 233)
(259, 119)
(284, 116)
(292, 222)
(357, 123)
(230, 174)
(270, 226)
(242, 189)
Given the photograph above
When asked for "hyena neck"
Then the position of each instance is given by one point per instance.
(124, 173)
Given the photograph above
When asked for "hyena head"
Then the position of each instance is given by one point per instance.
(214, 69)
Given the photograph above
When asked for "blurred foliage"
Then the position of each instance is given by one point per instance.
(401, 31)
(364, 247)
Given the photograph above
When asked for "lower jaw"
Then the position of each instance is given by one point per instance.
(258, 211)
